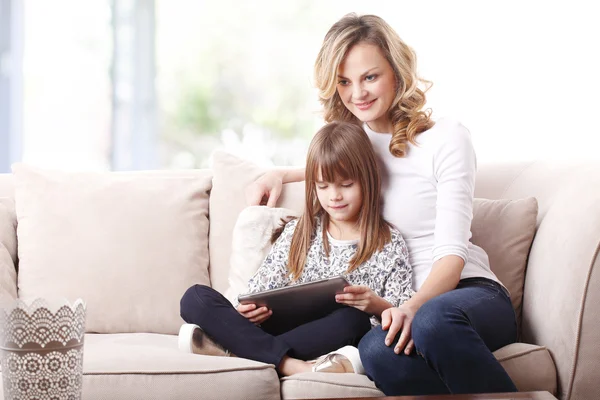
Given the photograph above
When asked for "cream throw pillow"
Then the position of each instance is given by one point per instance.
(129, 244)
(251, 243)
(8, 250)
(505, 229)
(227, 199)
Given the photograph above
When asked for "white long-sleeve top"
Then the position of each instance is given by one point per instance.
(387, 273)
(428, 196)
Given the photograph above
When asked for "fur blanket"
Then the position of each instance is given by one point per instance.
(251, 243)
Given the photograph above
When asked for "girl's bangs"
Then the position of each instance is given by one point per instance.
(334, 165)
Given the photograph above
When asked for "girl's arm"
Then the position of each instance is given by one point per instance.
(268, 187)
(397, 288)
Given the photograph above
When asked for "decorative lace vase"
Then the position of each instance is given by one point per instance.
(42, 350)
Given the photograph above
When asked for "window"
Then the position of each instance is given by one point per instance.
(237, 75)
(11, 91)
(67, 86)
(149, 84)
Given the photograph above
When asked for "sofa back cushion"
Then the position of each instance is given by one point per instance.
(7, 186)
(129, 244)
(503, 228)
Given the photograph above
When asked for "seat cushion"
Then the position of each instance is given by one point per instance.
(149, 366)
(530, 367)
(317, 385)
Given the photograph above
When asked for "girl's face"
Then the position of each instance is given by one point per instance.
(341, 199)
(367, 86)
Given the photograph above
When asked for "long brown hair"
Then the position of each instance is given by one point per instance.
(340, 150)
(406, 114)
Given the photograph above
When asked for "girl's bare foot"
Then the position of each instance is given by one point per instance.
(290, 366)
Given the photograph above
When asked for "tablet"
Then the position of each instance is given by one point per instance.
(303, 302)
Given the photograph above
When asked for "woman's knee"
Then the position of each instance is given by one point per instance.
(434, 322)
(372, 347)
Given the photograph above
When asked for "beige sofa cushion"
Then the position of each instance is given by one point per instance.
(8, 250)
(150, 366)
(7, 186)
(129, 244)
(505, 230)
(530, 367)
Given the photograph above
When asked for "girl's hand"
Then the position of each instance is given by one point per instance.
(265, 190)
(363, 298)
(398, 319)
(255, 315)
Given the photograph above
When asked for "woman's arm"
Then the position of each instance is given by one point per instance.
(454, 170)
(267, 189)
(455, 166)
(294, 174)
(444, 276)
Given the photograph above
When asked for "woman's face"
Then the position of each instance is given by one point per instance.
(367, 86)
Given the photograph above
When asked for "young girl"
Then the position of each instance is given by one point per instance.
(341, 232)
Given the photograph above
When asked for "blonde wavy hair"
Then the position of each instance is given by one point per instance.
(406, 112)
(340, 150)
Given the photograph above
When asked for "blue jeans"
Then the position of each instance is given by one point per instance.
(268, 343)
(454, 335)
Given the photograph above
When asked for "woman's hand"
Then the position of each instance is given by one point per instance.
(399, 319)
(265, 190)
(255, 315)
(363, 298)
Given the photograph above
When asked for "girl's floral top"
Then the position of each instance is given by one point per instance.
(388, 272)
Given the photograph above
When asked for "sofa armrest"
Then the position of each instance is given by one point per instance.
(8, 250)
(561, 303)
(8, 277)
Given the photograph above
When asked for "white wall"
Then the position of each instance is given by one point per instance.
(523, 76)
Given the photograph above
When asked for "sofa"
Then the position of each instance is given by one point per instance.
(130, 243)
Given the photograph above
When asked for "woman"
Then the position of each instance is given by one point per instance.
(442, 339)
